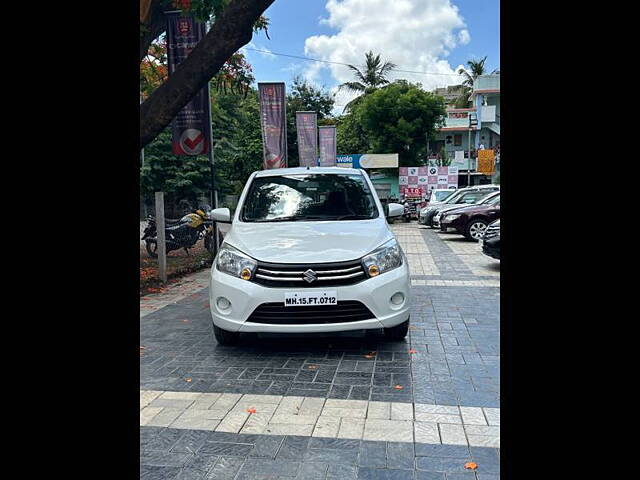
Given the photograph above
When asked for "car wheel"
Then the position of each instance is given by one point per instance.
(475, 229)
(398, 332)
(225, 337)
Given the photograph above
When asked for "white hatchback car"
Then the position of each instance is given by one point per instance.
(309, 250)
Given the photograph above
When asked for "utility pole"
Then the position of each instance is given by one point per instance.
(472, 122)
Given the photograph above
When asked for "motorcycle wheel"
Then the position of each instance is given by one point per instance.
(152, 249)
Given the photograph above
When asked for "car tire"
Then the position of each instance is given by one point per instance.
(225, 337)
(399, 332)
(475, 229)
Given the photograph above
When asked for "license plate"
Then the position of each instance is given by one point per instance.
(318, 297)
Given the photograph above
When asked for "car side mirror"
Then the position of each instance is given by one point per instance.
(395, 210)
(222, 215)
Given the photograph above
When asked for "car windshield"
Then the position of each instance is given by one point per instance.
(441, 195)
(303, 197)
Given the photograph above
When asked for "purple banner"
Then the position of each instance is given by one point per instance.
(273, 121)
(327, 136)
(191, 127)
(307, 128)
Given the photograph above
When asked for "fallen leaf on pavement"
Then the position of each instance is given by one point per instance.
(251, 410)
(188, 380)
(471, 465)
(398, 387)
(413, 350)
(312, 367)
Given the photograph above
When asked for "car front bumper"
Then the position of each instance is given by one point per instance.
(491, 248)
(456, 225)
(375, 293)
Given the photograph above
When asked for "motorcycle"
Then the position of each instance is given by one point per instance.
(184, 233)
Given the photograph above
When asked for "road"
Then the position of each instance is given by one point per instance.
(349, 407)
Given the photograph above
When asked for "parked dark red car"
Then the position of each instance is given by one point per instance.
(472, 221)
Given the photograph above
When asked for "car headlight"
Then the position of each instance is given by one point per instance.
(383, 259)
(235, 263)
(453, 217)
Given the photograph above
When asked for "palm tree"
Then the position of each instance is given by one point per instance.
(368, 80)
(476, 68)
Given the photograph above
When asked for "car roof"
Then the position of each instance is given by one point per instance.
(304, 170)
(479, 187)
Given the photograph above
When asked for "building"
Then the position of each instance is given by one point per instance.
(458, 136)
(450, 93)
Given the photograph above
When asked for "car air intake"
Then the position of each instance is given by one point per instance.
(491, 231)
(277, 314)
(287, 275)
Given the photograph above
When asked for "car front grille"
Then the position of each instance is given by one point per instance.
(491, 231)
(277, 314)
(289, 275)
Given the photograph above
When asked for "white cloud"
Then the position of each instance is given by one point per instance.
(464, 37)
(414, 34)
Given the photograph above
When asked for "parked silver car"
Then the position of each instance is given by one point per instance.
(463, 196)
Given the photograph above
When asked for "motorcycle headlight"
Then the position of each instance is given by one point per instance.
(235, 263)
(383, 259)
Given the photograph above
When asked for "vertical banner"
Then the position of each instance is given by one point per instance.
(273, 121)
(307, 127)
(328, 153)
(191, 128)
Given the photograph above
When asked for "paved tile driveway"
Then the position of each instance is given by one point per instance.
(455, 337)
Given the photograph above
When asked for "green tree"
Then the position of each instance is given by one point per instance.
(238, 139)
(476, 68)
(368, 80)
(400, 119)
(350, 134)
(181, 177)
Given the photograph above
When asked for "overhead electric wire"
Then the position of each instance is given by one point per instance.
(347, 65)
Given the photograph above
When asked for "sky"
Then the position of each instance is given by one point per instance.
(433, 37)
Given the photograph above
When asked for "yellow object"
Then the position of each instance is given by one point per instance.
(245, 274)
(196, 220)
(486, 159)
(374, 270)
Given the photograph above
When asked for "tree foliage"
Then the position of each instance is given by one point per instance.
(476, 68)
(400, 119)
(369, 79)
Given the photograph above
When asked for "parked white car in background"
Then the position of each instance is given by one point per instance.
(437, 196)
(309, 250)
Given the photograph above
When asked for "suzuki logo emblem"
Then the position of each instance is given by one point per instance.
(310, 276)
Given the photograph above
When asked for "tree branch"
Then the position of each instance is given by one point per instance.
(231, 30)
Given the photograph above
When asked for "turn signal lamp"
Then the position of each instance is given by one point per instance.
(374, 270)
(245, 274)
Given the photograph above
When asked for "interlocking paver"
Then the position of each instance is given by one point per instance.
(446, 413)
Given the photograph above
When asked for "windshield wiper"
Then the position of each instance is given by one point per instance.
(293, 218)
(354, 217)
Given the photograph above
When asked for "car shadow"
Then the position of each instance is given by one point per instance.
(358, 341)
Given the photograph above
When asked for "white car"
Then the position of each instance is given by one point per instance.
(309, 250)
(437, 196)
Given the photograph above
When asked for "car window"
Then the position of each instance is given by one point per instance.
(309, 197)
(442, 195)
(472, 197)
